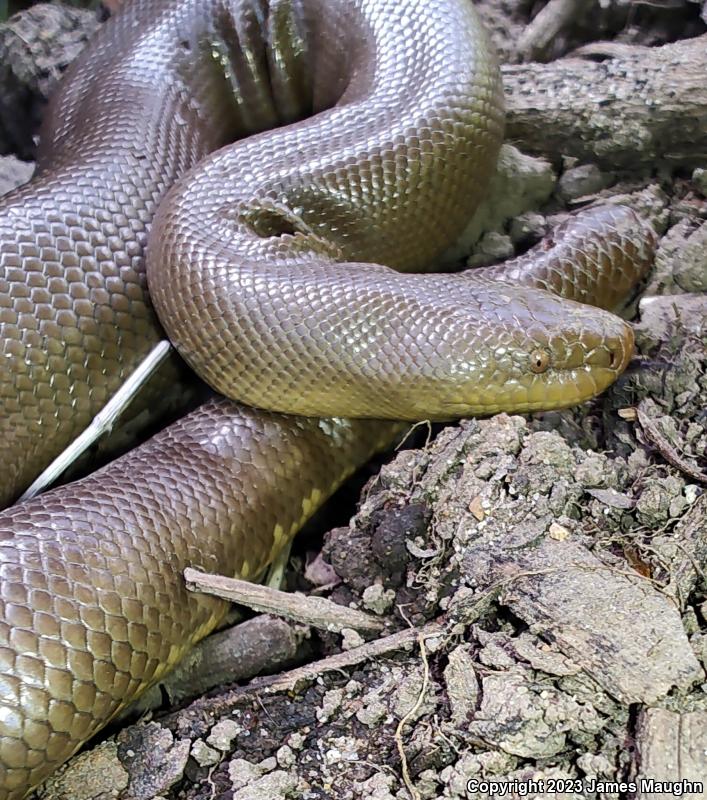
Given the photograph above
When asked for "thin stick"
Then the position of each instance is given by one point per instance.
(293, 679)
(316, 611)
(665, 448)
(103, 422)
(404, 720)
(548, 23)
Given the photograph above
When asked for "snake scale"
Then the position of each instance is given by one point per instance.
(286, 270)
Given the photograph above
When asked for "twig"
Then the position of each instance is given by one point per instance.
(548, 23)
(665, 448)
(316, 611)
(291, 680)
(258, 646)
(404, 720)
(103, 421)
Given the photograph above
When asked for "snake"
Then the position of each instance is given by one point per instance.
(283, 176)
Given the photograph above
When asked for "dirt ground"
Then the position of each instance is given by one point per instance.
(536, 584)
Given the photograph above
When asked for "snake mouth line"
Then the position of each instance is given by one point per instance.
(550, 392)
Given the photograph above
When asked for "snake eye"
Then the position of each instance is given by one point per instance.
(539, 360)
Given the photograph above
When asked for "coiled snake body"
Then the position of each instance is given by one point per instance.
(280, 267)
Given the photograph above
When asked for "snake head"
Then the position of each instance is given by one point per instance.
(539, 352)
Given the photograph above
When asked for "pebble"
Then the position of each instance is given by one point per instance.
(528, 228)
(581, 181)
(204, 755)
(222, 734)
(493, 247)
(699, 178)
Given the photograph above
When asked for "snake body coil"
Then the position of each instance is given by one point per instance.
(280, 266)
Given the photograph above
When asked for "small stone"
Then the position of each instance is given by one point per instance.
(285, 756)
(592, 471)
(493, 247)
(332, 755)
(242, 773)
(351, 639)
(497, 245)
(435, 643)
(273, 786)
(331, 703)
(320, 573)
(462, 685)
(377, 787)
(699, 178)
(93, 773)
(204, 755)
(406, 699)
(550, 449)
(610, 498)
(373, 712)
(296, 740)
(680, 262)
(528, 228)
(222, 734)
(558, 532)
(690, 263)
(13, 173)
(692, 492)
(476, 508)
(594, 766)
(661, 315)
(581, 181)
(677, 506)
(494, 651)
(377, 599)
(427, 785)
(657, 501)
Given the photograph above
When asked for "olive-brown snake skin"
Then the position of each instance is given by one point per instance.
(270, 265)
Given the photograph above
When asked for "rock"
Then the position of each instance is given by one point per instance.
(96, 773)
(699, 178)
(154, 758)
(581, 181)
(222, 734)
(242, 773)
(664, 317)
(492, 247)
(670, 748)
(527, 719)
(622, 631)
(204, 755)
(14, 173)
(378, 599)
(681, 260)
(350, 639)
(521, 183)
(461, 684)
(36, 46)
(277, 785)
(659, 501)
(285, 756)
(527, 229)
